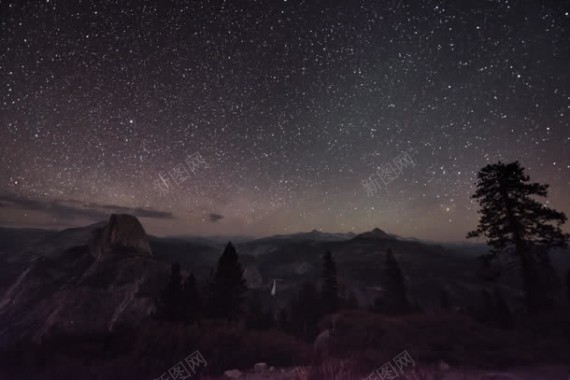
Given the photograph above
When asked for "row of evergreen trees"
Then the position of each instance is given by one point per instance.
(184, 301)
(224, 297)
(513, 222)
(394, 297)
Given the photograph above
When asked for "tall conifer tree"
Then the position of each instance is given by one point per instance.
(193, 307)
(228, 286)
(515, 223)
(170, 305)
(329, 290)
(394, 299)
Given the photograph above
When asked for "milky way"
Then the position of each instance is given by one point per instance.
(291, 104)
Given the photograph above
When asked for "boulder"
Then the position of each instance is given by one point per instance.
(233, 374)
(260, 367)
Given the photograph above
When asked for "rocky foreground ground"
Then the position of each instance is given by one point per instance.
(263, 372)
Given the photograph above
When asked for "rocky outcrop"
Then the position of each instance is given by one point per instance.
(233, 374)
(92, 287)
(80, 294)
(123, 232)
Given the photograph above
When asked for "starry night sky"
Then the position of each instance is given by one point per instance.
(291, 104)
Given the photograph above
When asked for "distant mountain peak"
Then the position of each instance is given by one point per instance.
(121, 231)
(376, 233)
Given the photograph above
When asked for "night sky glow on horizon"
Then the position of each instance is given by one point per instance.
(290, 104)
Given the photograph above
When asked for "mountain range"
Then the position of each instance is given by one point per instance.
(57, 281)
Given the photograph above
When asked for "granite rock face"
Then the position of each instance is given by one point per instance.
(106, 278)
(122, 231)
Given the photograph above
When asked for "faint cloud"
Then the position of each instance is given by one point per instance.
(67, 210)
(215, 217)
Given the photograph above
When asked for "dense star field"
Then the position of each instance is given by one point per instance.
(265, 117)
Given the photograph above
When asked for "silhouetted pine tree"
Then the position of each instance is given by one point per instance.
(378, 304)
(568, 286)
(394, 299)
(329, 289)
(193, 306)
(258, 317)
(444, 299)
(487, 270)
(549, 279)
(283, 322)
(170, 305)
(495, 310)
(503, 317)
(269, 318)
(305, 312)
(349, 301)
(228, 286)
(513, 221)
(486, 313)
